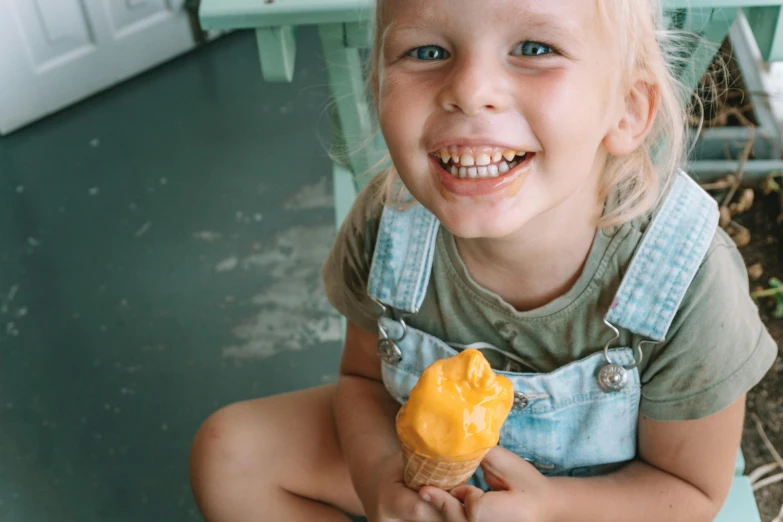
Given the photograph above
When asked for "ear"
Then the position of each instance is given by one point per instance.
(636, 120)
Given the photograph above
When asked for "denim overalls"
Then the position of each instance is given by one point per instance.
(580, 419)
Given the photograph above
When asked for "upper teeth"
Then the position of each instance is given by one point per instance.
(480, 159)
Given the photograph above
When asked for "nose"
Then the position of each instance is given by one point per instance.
(474, 86)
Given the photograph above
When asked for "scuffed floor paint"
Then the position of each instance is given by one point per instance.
(227, 265)
(317, 195)
(7, 314)
(291, 313)
(207, 235)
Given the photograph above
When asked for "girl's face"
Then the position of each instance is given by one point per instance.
(495, 112)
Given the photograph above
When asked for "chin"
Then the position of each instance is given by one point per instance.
(468, 217)
(481, 224)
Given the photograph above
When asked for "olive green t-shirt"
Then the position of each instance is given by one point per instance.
(716, 349)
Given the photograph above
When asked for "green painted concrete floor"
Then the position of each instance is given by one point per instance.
(159, 257)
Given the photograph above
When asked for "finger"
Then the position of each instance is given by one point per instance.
(450, 507)
(495, 507)
(406, 504)
(462, 492)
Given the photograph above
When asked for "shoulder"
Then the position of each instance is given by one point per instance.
(362, 220)
(347, 267)
(717, 347)
(718, 298)
(722, 273)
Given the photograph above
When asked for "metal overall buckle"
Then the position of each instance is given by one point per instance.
(387, 347)
(614, 377)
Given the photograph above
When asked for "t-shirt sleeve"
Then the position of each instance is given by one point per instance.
(717, 347)
(347, 268)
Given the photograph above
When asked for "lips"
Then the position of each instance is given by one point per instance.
(480, 186)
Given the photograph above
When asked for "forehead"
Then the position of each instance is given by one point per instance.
(572, 18)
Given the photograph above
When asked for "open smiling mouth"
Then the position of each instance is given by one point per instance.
(481, 165)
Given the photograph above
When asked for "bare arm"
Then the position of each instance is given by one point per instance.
(364, 410)
(684, 473)
(364, 413)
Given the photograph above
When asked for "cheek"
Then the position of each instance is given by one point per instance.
(394, 127)
(402, 94)
(403, 109)
(392, 105)
(567, 111)
(389, 93)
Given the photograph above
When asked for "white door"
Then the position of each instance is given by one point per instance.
(56, 52)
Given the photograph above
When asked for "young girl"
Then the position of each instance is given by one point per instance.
(534, 210)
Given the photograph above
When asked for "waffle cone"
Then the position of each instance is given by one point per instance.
(445, 474)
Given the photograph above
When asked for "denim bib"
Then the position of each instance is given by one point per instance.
(580, 419)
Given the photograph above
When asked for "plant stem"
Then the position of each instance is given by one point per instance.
(767, 293)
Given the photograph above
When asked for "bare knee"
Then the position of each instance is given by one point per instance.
(227, 448)
(279, 453)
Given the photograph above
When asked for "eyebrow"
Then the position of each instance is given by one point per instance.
(532, 20)
(420, 24)
(556, 28)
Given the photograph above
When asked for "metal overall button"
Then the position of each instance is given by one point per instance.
(389, 352)
(387, 347)
(521, 401)
(613, 377)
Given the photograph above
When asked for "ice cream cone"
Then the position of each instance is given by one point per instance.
(445, 474)
(452, 418)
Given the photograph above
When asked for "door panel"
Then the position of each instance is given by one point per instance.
(56, 52)
(55, 31)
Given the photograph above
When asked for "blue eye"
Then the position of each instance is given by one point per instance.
(530, 48)
(429, 53)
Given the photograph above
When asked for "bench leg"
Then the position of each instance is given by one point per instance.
(740, 506)
(353, 123)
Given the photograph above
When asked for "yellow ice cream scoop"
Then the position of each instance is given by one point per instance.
(453, 415)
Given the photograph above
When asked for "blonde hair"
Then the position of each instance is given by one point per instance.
(631, 184)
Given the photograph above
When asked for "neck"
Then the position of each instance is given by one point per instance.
(539, 262)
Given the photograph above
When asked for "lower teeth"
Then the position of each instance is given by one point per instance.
(484, 172)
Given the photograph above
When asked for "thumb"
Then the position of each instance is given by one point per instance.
(503, 465)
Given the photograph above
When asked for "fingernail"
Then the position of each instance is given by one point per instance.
(426, 497)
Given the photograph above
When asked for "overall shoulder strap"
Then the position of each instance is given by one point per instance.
(671, 252)
(402, 261)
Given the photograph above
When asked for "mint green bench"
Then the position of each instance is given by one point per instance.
(345, 27)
